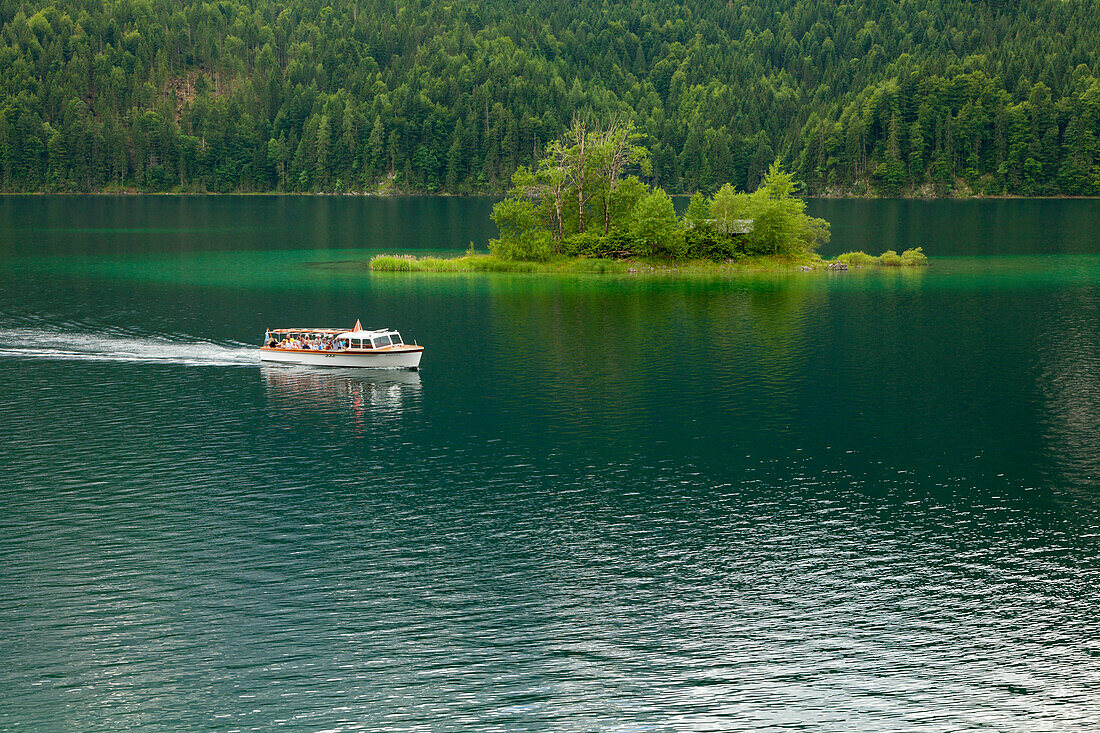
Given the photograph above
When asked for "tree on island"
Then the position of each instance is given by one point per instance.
(548, 210)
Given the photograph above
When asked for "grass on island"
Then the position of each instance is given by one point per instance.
(573, 265)
(473, 262)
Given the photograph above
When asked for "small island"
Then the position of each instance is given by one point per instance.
(581, 210)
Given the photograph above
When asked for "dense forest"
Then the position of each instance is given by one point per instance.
(880, 96)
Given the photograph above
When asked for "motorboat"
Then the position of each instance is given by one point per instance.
(340, 347)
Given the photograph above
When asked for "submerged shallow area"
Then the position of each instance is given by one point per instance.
(864, 499)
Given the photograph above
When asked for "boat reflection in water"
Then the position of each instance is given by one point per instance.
(364, 394)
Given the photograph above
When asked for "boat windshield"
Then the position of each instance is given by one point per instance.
(396, 338)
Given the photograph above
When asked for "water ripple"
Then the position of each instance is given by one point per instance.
(825, 510)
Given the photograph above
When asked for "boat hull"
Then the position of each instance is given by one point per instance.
(397, 359)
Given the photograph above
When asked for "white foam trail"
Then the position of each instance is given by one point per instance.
(35, 343)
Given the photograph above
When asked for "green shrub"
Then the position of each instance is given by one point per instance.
(914, 257)
(725, 247)
(584, 244)
(699, 239)
(533, 245)
(890, 258)
(705, 242)
(857, 259)
(619, 242)
(590, 244)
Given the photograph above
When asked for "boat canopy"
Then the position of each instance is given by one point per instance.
(330, 331)
(363, 334)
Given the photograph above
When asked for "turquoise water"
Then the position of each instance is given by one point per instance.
(863, 500)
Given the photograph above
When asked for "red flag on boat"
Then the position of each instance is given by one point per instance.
(358, 325)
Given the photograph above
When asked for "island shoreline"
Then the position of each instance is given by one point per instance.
(639, 267)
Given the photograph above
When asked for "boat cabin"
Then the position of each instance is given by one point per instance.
(332, 339)
(370, 339)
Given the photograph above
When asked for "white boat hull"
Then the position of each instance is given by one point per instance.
(408, 358)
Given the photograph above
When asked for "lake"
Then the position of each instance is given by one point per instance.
(862, 500)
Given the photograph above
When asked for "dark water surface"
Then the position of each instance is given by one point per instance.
(803, 501)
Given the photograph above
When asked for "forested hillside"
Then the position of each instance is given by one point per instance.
(886, 96)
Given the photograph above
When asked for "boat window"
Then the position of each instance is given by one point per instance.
(357, 343)
(381, 341)
(396, 338)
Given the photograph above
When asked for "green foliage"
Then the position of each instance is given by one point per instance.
(704, 242)
(713, 226)
(624, 198)
(914, 257)
(547, 208)
(889, 177)
(698, 211)
(576, 266)
(514, 217)
(729, 206)
(521, 235)
(857, 259)
(584, 244)
(780, 224)
(656, 229)
(535, 245)
(371, 95)
(890, 258)
(590, 244)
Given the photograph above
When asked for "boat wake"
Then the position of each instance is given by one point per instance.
(39, 343)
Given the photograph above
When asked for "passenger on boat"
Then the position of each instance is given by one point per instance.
(306, 343)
